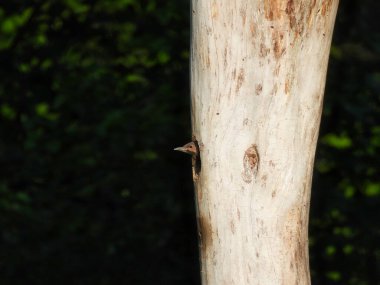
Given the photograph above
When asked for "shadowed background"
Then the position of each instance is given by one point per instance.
(94, 95)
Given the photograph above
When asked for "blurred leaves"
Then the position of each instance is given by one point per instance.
(345, 195)
(335, 141)
(90, 112)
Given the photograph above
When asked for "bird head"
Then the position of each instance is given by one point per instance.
(189, 148)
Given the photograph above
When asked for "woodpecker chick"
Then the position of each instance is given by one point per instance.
(189, 148)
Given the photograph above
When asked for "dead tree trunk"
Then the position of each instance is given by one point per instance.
(258, 72)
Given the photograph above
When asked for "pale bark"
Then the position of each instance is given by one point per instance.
(258, 72)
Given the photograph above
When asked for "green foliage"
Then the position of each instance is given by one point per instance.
(94, 96)
(346, 190)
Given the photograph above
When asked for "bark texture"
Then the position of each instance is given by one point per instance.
(258, 72)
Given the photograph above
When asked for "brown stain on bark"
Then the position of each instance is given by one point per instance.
(258, 89)
(205, 233)
(295, 238)
(288, 85)
(277, 49)
(240, 79)
(300, 16)
(225, 53)
(252, 29)
(326, 5)
(251, 162)
(290, 79)
(311, 14)
(290, 11)
(278, 44)
(272, 9)
(204, 53)
(264, 50)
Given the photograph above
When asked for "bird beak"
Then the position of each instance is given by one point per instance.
(181, 148)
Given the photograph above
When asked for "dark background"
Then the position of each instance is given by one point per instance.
(94, 95)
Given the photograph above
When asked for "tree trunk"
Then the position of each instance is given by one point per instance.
(258, 72)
